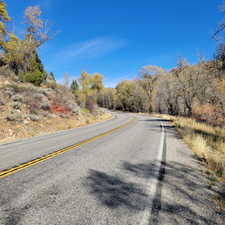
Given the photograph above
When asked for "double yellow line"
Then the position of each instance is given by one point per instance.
(59, 152)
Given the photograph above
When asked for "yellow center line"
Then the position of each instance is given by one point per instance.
(15, 169)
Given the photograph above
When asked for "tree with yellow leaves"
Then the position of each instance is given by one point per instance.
(90, 86)
(4, 17)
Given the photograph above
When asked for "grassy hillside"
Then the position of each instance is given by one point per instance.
(27, 110)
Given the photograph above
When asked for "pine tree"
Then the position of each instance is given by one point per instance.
(74, 86)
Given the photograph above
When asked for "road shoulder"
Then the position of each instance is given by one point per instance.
(186, 195)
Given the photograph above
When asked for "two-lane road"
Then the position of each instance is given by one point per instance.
(102, 181)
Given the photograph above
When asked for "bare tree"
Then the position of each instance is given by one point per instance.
(37, 29)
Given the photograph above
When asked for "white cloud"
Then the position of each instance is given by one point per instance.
(92, 48)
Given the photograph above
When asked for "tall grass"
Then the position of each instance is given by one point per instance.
(206, 141)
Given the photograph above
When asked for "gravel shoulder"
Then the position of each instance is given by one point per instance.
(186, 195)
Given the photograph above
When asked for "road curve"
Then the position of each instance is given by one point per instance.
(100, 182)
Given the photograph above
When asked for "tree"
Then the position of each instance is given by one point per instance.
(37, 33)
(74, 86)
(20, 55)
(97, 82)
(66, 80)
(149, 75)
(90, 82)
(4, 17)
(219, 35)
(131, 97)
(219, 61)
(107, 98)
(50, 77)
(35, 77)
(90, 87)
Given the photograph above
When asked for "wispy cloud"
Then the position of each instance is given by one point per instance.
(92, 48)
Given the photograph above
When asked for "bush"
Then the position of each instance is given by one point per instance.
(17, 98)
(36, 77)
(51, 84)
(57, 107)
(16, 105)
(14, 116)
(45, 106)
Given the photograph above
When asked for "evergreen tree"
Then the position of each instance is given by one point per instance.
(74, 86)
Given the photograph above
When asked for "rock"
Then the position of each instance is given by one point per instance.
(33, 117)
(25, 121)
(16, 105)
(15, 116)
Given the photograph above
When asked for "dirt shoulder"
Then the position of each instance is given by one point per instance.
(11, 131)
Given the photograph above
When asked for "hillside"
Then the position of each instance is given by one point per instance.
(27, 110)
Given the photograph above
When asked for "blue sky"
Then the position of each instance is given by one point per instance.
(117, 37)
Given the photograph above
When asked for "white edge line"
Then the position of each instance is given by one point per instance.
(152, 186)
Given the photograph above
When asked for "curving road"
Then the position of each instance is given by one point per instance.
(102, 181)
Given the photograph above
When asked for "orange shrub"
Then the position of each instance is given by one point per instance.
(59, 108)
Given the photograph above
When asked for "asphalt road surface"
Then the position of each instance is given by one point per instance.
(98, 182)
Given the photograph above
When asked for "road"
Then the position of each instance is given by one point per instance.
(102, 181)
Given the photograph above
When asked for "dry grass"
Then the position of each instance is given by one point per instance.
(220, 202)
(11, 131)
(206, 141)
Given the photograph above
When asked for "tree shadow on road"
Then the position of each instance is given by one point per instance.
(189, 199)
(114, 192)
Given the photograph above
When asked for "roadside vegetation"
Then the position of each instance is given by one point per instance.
(206, 141)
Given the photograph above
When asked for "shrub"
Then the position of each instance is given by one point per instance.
(34, 117)
(36, 77)
(17, 98)
(45, 106)
(51, 84)
(14, 116)
(34, 107)
(16, 105)
(57, 107)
